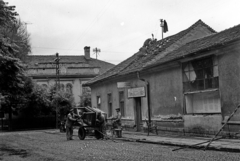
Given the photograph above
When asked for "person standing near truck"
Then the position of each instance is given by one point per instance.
(69, 124)
(101, 122)
(116, 120)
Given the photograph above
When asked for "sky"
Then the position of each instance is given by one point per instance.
(117, 27)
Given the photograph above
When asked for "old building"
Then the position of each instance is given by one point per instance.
(74, 70)
(188, 81)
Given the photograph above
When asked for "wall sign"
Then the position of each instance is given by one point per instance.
(136, 92)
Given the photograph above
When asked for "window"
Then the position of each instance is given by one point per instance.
(109, 104)
(98, 102)
(121, 102)
(200, 86)
(200, 74)
(205, 102)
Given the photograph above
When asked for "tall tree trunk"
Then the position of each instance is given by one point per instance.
(10, 118)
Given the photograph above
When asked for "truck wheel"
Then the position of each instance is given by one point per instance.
(81, 133)
(98, 135)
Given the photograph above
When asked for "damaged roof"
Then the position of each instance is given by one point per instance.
(207, 43)
(146, 56)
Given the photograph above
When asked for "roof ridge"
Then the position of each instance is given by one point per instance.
(55, 55)
(177, 37)
(201, 22)
(194, 26)
(189, 28)
(231, 34)
(214, 34)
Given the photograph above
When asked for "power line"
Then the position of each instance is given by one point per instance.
(48, 48)
(96, 18)
(104, 51)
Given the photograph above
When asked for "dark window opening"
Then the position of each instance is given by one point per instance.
(122, 103)
(110, 111)
(98, 102)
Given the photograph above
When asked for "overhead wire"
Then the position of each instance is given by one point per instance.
(96, 18)
(48, 48)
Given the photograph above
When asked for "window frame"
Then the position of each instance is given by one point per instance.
(190, 80)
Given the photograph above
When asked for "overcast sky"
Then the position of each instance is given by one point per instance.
(117, 27)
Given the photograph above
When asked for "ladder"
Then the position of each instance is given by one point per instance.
(222, 127)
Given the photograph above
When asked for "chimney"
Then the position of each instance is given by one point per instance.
(87, 52)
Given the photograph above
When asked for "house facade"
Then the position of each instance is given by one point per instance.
(74, 71)
(188, 81)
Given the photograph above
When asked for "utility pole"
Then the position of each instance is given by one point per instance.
(148, 100)
(96, 51)
(57, 85)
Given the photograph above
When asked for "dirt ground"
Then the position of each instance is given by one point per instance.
(53, 146)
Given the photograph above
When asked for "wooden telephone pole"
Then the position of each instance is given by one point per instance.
(57, 85)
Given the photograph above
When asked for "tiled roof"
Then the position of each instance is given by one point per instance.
(32, 60)
(144, 57)
(208, 42)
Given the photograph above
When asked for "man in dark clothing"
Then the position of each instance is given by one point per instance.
(101, 121)
(69, 125)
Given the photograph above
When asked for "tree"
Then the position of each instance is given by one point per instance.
(35, 100)
(11, 80)
(14, 32)
(11, 69)
(17, 35)
(7, 13)
(61, 101)
(86, 97)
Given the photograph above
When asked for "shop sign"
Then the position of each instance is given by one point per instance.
(136, 92)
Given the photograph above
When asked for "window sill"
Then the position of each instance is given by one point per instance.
(202, 91)
(127, 119)
(196, 114)
(232, 122)
(168, 120)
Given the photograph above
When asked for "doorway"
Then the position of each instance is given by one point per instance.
(138, 113)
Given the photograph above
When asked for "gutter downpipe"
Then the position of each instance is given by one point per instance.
(148, 99)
